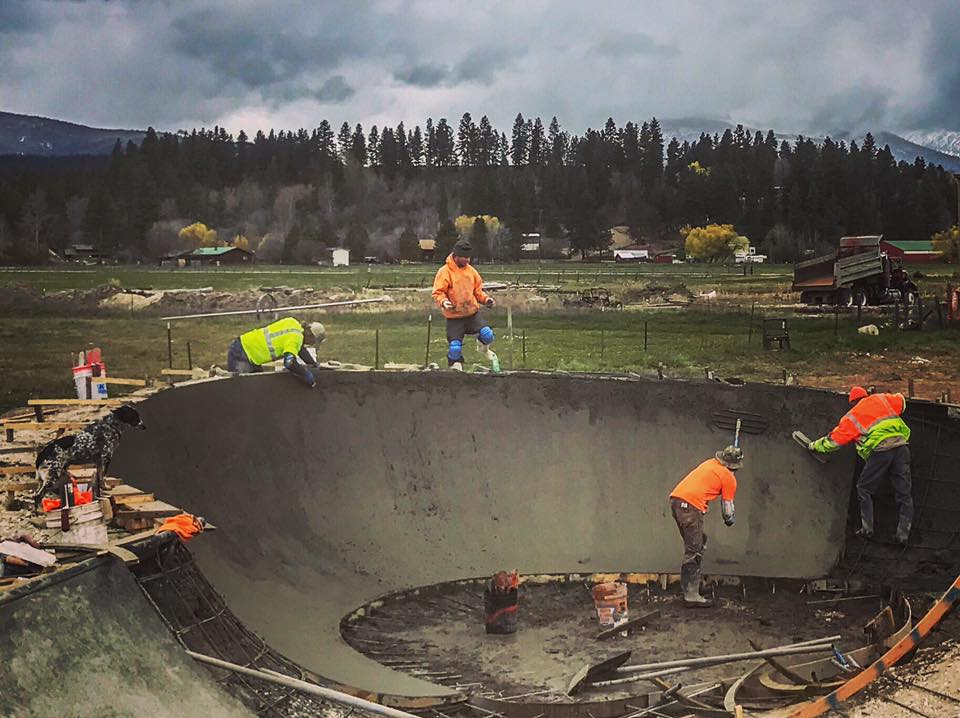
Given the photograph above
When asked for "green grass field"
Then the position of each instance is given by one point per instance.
(35, 352)
(36, 349)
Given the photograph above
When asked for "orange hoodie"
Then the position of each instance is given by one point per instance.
(463, 287)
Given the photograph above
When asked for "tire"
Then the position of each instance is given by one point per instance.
(844, 298)
(860, 298)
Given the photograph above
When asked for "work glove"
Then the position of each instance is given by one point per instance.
(447, 304)
(490, 302)
(729, 521)
(812, 446)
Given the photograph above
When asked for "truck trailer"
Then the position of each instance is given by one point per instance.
(859, 273)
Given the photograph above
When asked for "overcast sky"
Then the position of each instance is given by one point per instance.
(807, 65)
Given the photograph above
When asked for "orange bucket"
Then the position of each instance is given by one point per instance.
(610, 600)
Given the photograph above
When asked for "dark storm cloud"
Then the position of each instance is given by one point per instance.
(335, 89)
(18, 16)
(821, 65)
(423, 75)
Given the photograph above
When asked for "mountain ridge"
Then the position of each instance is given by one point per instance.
(37, 136)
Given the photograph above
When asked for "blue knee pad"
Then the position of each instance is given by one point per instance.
(455, 352)
(486, 335)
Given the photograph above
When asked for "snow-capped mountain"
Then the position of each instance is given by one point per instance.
(946, 141)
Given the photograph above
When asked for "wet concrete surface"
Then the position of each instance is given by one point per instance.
(376, 482)
(90, 645)
(442, 633)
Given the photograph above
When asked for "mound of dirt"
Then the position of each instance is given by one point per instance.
(658, 294)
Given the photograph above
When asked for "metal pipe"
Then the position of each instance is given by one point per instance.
(238, 312)
(311, 688)
(820, 644)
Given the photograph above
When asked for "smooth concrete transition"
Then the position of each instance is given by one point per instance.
(375, 482)
(86, 642)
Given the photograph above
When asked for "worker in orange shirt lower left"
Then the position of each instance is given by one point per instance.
(688, 504)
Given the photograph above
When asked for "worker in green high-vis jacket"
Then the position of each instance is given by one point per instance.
(284, 339)
(882, 439)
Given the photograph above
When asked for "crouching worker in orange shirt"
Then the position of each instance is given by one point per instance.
(688, 504)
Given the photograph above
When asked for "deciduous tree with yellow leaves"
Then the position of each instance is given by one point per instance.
(466, 229)
(715, 241)
(198, 235)
(947, 243)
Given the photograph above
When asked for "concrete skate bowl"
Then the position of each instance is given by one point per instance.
(376, 483)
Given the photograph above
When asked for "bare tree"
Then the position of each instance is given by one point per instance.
(34, 218)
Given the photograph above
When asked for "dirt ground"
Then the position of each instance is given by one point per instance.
(442, 637)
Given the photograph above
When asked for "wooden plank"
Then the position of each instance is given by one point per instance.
(177, 372)
(37, 425)
(77, 514)
(19, 486)
(123, 382)
(27, 415)
(123, 490)
(151, 509)
(16, 470)
(133, 502)
(84, 534)
(74, 402)
(27, 553)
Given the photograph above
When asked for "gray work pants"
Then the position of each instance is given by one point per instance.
(894, 463)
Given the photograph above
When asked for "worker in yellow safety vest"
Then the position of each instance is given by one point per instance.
(882, 441)
(285, 339)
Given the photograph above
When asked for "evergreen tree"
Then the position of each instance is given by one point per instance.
(446, 238)
(416, 147)
(537, 153)
(358, 147)
(344, 141)
(408, 246)
(356, 241)
(444, 155)
(373, 147)
(521, 142)
(487, 143)
(480, 239)
(467, 138)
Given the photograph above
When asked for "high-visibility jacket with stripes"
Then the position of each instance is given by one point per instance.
(872, 420)
(271, 342)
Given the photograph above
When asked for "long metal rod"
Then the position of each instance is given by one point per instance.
(238, 312)
(820, 644)
(311, 688)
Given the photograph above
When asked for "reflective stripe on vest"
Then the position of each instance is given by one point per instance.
(865, 430)
(270, 336)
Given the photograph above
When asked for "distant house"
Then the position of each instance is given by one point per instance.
(428, 248)
(217, 256)
(911, 251)
(340, 257)
(80, 252)
(632, 253)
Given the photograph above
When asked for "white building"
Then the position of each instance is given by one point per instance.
(341, 257)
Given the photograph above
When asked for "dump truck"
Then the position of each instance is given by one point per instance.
(859, 273)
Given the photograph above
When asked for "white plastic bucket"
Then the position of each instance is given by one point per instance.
(80, 376)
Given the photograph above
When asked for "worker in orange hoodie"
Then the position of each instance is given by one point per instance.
(688, 504)
(458, 291)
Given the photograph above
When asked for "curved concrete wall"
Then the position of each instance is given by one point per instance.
(374, 482)
(87, 643)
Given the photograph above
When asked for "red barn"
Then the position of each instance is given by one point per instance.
(911, 251)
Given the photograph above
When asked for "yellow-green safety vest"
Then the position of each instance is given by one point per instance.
(273, 341)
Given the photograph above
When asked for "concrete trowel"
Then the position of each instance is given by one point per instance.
(804, 441)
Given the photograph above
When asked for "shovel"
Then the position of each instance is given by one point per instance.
(588, 673)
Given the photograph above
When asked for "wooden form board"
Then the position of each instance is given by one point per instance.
(16, 470)
(74, 402)
(123, 382)
(27, 553)
(14, 427)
